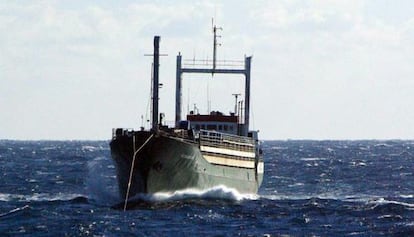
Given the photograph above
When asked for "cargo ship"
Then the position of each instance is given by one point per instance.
(200, 151)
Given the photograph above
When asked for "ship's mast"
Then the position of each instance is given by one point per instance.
(245, 71)
(215, 45)
(155, 83)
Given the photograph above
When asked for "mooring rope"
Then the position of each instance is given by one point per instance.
(132, 168)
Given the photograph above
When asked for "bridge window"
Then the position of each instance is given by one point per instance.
(211, 127)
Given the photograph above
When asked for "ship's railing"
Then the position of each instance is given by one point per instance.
(227, 141)
(182, 133)
(117, 132)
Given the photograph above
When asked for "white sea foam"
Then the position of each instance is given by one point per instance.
(38, 197)
(409, 224)
(296, 184)
(407, 196)
(390, 217)
(382, 201)
(218, 192)
(18, 209)
(313, 158)
(5, 197)
(331, 196)
(279, 148)
(277, 197)
(358, 163)
(89, 148)
(49, 148)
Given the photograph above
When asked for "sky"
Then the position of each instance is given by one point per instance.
(321, 69)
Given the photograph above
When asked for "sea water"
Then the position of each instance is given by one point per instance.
(310, 188)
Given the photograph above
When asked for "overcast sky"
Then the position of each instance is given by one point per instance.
(321, 69)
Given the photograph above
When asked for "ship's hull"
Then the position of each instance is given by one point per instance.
(166, 163)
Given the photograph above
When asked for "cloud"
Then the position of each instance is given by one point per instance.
(300, 15)
(60, 61)
(330, 62)
(334, 60)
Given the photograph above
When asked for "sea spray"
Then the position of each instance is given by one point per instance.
(101, 182)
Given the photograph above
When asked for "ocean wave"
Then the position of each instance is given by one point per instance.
(90, 148)
(182, 197)
(371, 202)
(313, 158)
(279, 148)
(383, 145)
(13, 211)
(407, 195)
(383, 201)
(325, 196)
(358, 163)
(39, 197)
(282, 197)
(219, 192)
(49, 148)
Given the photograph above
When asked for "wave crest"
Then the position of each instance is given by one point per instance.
(181, 197)
(39, 197)
(220, 192)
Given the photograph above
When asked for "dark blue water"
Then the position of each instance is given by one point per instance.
(311, 188)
